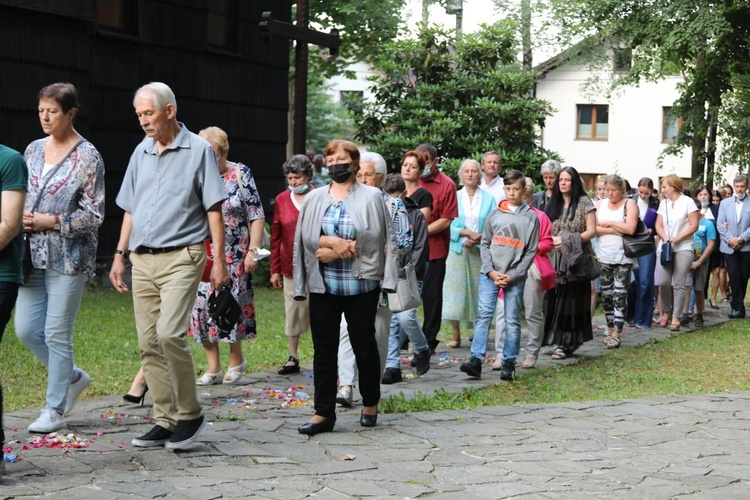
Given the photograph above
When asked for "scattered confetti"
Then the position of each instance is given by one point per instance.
(9, 457)
(348, 456)
(58, 441)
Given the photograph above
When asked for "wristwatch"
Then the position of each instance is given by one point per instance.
(56, 225)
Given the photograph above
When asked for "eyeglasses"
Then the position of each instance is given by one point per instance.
(369, 175)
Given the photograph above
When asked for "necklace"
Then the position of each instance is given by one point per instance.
(57, 150)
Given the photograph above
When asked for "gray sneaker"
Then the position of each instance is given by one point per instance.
(344, 396)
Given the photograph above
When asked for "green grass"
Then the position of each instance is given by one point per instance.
(709, 360)
(106, 346)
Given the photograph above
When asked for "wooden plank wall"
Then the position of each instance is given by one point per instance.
(243, 90)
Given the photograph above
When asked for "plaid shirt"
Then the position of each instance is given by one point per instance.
(338, 276)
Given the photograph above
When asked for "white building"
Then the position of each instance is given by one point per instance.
(623, 133)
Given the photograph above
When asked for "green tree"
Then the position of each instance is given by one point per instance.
(464, 98)
(707, 42)
(326, 118)
(365, 28)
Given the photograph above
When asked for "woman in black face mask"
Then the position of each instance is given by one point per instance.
(344, 247)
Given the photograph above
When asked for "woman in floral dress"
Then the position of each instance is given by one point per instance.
(241, 209)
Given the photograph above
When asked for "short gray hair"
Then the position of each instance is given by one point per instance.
(468, 162)
(161, 95)
(551, 167)
(740, 178)
(298, 165)
(381, 167)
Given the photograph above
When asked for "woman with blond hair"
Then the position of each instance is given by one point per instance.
(676, 221)
(243, 226)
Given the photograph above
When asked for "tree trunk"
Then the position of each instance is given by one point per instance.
(526, 33)
(426, 10)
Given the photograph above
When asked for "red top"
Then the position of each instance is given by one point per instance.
(285, 216)
(444, 206)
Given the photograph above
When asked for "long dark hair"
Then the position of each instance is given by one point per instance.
(554, 208)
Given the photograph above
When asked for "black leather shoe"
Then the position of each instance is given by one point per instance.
(736, 314)
(311, 428)
(368, 420)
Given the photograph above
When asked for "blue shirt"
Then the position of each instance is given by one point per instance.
(338, 276)
(168, 194)
(701, 237)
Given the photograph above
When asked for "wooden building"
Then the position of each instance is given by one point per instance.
(210, 52)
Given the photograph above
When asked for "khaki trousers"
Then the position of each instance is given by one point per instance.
(164, 290)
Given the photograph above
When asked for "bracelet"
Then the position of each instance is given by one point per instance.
(120, 252)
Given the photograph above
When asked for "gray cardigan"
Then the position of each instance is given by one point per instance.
(366, 207)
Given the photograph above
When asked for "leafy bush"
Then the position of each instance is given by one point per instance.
(464, 97)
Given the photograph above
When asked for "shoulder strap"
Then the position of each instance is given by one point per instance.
(52, 174)
(242, 196)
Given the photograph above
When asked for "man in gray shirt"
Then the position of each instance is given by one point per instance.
(172, 195)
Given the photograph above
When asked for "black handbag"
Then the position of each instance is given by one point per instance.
(639, 243)
(667, 256)
(224, 309)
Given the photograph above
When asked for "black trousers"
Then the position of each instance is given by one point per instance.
(325, 321)
(738, 269)
(432, 300)
(8, 295)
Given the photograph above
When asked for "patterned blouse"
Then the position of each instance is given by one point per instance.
(76, 194)
(338, 275)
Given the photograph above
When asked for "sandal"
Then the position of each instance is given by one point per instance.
(559, 353)
(529, 363)
(211, 378)
(674, 327)
(453, 344)
(663, 322)
(288, 368)
(234, 373)
(712, 304)
(614, 342)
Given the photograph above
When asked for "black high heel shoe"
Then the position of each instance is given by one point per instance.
(136, 399)
(366, 420)
(310, 428)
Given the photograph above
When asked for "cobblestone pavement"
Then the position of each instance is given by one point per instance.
(660, 447)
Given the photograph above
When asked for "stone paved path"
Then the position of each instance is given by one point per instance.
(661, 447)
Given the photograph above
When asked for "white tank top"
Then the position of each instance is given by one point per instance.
(609, 247)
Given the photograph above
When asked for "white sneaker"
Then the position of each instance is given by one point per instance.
(49, 421)
(75, 390)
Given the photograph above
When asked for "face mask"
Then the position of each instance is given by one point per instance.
(426, 172)
(704, 203)
(741, 197)
(340, 172)
(301, 189)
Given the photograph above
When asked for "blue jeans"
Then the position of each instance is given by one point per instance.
(405, 324)
(486, 300)
(644, 290)
(49, 303)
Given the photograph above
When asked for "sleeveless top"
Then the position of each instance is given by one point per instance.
(609, 247)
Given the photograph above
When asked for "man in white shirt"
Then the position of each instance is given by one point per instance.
(492, 181)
